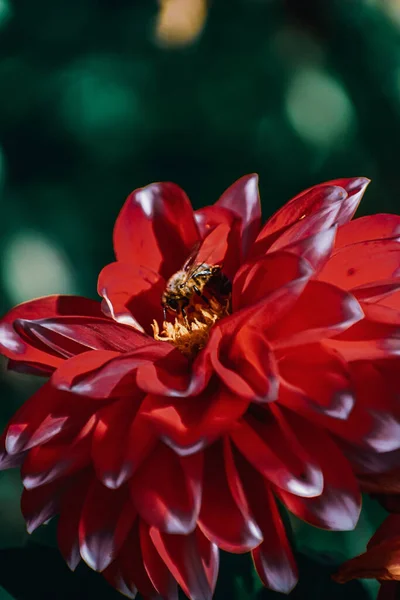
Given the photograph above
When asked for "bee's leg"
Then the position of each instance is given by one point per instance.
(165, 313)
(184, 314)
(185, 319)
(202, 296)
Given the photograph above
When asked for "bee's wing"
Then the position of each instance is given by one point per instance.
(190, 261)
(208, 251)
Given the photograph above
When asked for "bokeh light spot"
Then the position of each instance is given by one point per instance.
(32, 266)
(180, 22)
(100, 105)
(5, 12)
(319, 108)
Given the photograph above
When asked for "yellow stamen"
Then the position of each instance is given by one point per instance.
(190, 335)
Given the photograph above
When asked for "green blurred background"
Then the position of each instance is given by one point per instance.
(98, 97)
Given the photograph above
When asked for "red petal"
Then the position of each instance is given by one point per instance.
(301, 207)
(201, 419)
(162, 493)
(280, 273)
(17, 348)
(371, 227)
(355, 188)
(68, 522)
(243, 199)
(156, 229)
(71, 375)
(363, 263)
(113, 574)
(208, 219)
(121, 441)
(228, 376)
(379, 322)
(69, 336)
(322, 311)
(248, 353)
(132, 294)
(221, 519)
(274, 451)
(338, 506)
(316, 248)
(158, 572)
(106, 519)
(41, 504)
(41, 418)
(273, 558)
(192, 560)
(102, 374)
(53, 460)
(377, 291)
(131, 566)
(9, 461)
(319, 380)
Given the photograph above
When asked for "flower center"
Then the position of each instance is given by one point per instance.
(190, 333)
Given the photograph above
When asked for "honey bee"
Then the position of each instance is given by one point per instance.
(195, 280)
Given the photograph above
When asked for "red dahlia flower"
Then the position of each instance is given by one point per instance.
(273, 376)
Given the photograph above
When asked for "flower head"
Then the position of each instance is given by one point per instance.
(229, 365)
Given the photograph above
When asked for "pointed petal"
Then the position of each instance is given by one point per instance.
(157, 570)
(188, 423)
(50, 461)
(132, 294)
(377, 291)
(272, 448)
(42, 417)
(106, 519)
(18, 348)
(105, 374)
(275, 273)
(156, 229)
(221, 519)
(308, 323)
(316, 248)
(162, 493)
(304, 206)
(338, 506)
(211, 217)
(319, 380)
(9, 461)
(355, 188)
(243, 199)
(131, 566)
(121, 441)
(192, 560)
(70, 513)
(113, 574)
(371, 227)
(41, 504)
(363, 263)
(273, 558)
(248, 353)
(69, 336)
